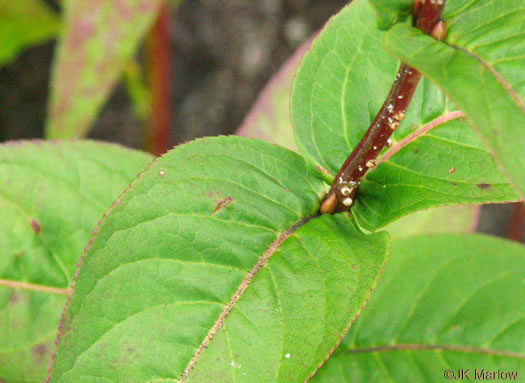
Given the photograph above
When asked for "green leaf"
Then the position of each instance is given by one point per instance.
(24, 23)
(99, 39)
(51, 197)
(480, 66)
(391, 12)
(443, 302)
(446, 219)
(447, 165)
(436, 159)
(215, 259)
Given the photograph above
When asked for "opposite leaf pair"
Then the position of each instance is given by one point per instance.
(214, 266)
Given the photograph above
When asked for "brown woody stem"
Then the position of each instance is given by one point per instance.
(426, 15)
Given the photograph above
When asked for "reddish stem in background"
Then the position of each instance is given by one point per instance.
(516, 226)
(427, 16)
(159, 78)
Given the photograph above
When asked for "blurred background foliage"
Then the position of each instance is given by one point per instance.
(151, 74)
(221, 54)
(24, 23)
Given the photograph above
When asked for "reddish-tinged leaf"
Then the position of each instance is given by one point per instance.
(99, 38)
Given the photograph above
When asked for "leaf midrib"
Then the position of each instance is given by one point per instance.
(263, 260)
(444, 118)
(33, 286)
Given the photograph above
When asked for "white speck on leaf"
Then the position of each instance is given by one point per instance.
(287, 356)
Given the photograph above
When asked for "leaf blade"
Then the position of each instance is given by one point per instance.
(463, 67)
(448, 219)
(46, 220)
(196, 253)
(98, 40)
(435, 318)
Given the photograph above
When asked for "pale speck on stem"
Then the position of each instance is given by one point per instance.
(371, 164)
(399, 116)
(348, 202)
(346, 191)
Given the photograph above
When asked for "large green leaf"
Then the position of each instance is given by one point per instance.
(480, 66)
(444, 302)
(99, 38)
(51, 197)
(436, 158)
(215, 259)
(23, 23)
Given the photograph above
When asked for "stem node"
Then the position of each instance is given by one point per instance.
(341, 196)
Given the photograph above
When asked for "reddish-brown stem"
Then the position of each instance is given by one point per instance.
(159, 80)
(516, 226)
(427, 16)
